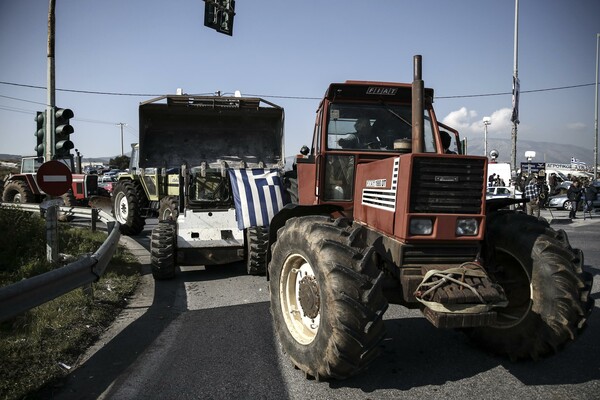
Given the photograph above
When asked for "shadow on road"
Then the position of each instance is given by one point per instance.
(225, 352)
(416, 354)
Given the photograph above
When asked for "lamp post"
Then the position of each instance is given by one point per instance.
(486, 121)
(596, 113)
(122, 124)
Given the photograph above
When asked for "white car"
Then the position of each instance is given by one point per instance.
(497, 192)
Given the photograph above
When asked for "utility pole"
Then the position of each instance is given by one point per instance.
(122, 124)
(52, 211)
(516, 90)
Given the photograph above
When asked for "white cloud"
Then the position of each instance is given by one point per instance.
(576, 126)
(468, 122)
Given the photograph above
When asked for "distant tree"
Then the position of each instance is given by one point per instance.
(120, 162)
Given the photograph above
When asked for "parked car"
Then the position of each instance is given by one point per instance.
(107, 182)
(495, 192)
(560, 202)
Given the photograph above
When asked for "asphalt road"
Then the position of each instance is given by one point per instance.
(207, 335)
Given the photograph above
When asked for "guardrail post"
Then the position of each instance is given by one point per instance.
(94, 218)
(52, 233)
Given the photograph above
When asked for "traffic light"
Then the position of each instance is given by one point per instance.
(62, 132)
(40, 133)
(218, 15)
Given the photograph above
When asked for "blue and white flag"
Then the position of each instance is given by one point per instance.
(576, 161)
(514, 118)
(257, 194)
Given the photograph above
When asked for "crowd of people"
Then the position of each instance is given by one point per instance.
(580, 193)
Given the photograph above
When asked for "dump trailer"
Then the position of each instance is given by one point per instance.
(387, 214)
(212, 166)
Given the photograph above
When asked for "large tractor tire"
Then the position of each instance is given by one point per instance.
(68, 201)
(168, 209)
(257, 242)
(163, 250)
(326, 297)
(17, 192)
(547, 289)
(126, 208)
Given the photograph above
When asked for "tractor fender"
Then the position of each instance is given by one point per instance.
(295, 210)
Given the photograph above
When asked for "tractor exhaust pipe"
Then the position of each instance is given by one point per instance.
(418, 92)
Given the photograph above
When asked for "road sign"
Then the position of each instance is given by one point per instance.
(54, 178)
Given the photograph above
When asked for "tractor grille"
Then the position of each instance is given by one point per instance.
(439, 254)
(447, 185)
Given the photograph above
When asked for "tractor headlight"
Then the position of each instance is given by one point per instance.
(467, 227)
(421, 226)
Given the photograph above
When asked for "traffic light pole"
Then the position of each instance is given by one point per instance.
(51, 213)
(51, 99)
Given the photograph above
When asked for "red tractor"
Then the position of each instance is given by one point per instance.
(389, 212)
(23, 187)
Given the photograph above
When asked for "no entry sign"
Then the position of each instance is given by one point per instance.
(54, 178)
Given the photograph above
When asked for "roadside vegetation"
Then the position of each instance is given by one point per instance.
(39, 347)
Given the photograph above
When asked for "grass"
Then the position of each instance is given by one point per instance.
(36, 346)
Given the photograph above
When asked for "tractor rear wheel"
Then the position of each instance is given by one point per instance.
(326, 297)
(17, 192)
(168, 209)
(163, 250)
(547, 289)
(127, 208)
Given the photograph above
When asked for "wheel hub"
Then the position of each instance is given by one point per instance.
(308, 296)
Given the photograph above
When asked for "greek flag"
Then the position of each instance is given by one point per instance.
(515, 100)
(257, 194)
(576, 161)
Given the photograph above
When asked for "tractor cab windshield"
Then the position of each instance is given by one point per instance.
(378, 127)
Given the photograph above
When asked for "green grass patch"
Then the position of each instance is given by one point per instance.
(35, 344)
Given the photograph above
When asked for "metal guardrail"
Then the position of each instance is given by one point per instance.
(27, 294)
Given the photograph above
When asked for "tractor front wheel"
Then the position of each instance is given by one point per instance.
(257, 241)
(548, 291)
(163, 250)
(326, 298)
(126, 208)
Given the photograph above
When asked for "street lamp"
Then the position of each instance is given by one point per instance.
(486, 121)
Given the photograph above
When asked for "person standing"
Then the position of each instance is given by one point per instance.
(574, 195)
(590, 193)
(532, 194)
(552, 183)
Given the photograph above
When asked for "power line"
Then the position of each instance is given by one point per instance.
(522, 91)
(288, 97)
(82, 91)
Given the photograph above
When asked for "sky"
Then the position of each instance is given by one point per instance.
(113, 54)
